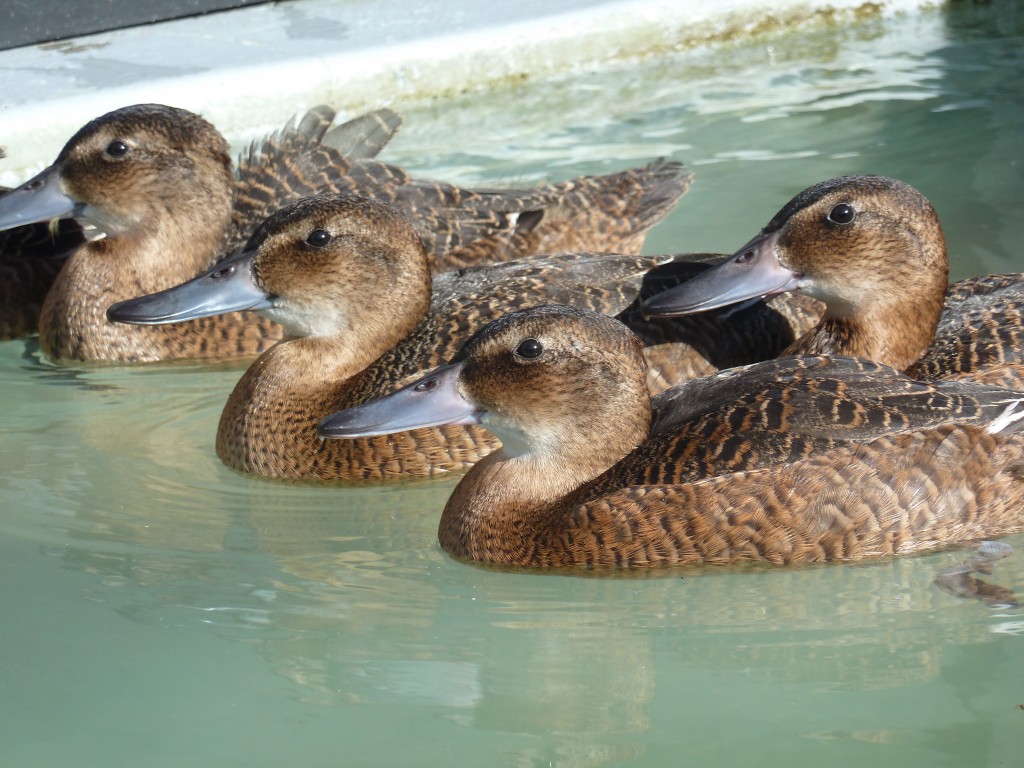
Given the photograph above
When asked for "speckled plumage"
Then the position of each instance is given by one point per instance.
(883, 277)
(789, 409)
(980, 334)
(172, 204)
(393, 325)
(610, 213)
(896, 495)
(898, 465)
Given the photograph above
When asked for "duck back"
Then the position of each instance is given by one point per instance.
(980, 335)
(787, 410)
(897, 494)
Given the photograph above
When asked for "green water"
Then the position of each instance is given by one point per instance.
(161, 610)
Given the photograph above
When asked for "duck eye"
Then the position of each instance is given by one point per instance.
(530, 349)
(116, 148)
(841, 214)
(318, 238)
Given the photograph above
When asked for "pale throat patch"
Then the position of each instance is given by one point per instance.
(95, 218)
(515, 442)
(838, 306)
(309, 320)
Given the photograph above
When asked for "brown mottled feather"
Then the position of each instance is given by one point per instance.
(900, 466)
(391, 335)
(396, 328)
(190, 177)
(464, 227)
(980, 335)
(895, 495)
(611, 213)
(306, 157)
(790, 409)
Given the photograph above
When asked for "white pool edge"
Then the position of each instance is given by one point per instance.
(247, 94)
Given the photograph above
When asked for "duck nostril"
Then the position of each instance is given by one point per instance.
(426, 386)
(223, 272)
(745, 257)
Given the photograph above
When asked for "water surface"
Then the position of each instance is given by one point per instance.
(162, 610)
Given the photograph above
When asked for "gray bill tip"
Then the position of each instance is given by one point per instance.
(227, 287)
(41, 198)
(432, 401)
(751, 273)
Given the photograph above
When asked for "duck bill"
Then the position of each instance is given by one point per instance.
(227, 287)
(752, 272)
(432, 401)
(41, 198)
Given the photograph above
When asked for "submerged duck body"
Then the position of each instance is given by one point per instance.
(151, 180)
(872, 250)
(907, 465)
(349, 279)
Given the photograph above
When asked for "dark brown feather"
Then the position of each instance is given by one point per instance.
(30, 258)
(980, 335)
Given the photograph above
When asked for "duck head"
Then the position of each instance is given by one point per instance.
(555, 383)
(127, 172)
(855, 243)
(321, 266)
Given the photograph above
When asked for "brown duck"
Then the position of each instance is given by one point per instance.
(872, 250)
(349, 278)
(805, 459)
(149, 181)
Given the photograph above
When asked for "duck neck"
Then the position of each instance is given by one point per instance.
(507, 509)
(268, 423)
(312, 363)
(886, 308)
(892, 333)
(73, 322)
(295, 377)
